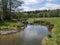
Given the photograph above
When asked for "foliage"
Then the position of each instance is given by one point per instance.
(43, 13)
(7, 7)
(6, 24)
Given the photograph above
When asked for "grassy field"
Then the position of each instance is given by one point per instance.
(55, 40)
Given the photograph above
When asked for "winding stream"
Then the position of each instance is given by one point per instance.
(31, 35)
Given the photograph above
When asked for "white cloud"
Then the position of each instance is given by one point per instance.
(43, 8)
(50, 0)
(50, 6)
(32, 1)
(25, 8)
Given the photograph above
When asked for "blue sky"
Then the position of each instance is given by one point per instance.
(30, 5)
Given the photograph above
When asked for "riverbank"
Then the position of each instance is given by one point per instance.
(23, 24)
(8, 31)
(48, 24)
(8, 24)
(10, 27)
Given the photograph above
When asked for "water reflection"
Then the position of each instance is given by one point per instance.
(31, 35)
(13, 39)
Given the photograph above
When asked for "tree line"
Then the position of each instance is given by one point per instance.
(43, 13)
(37, 14)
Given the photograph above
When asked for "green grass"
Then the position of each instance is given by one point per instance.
(7, 24)
(55, 40)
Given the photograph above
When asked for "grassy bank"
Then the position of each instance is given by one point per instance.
(55, 40)
(7, 24)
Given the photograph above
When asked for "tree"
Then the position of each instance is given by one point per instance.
(4, 9)
(7, 7)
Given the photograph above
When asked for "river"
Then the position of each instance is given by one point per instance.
(31, 35)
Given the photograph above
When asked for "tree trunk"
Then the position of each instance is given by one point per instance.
(6, 15)
(4, 9)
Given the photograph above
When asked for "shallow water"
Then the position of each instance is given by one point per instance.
(31, 35)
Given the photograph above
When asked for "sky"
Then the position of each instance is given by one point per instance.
(31, 5)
